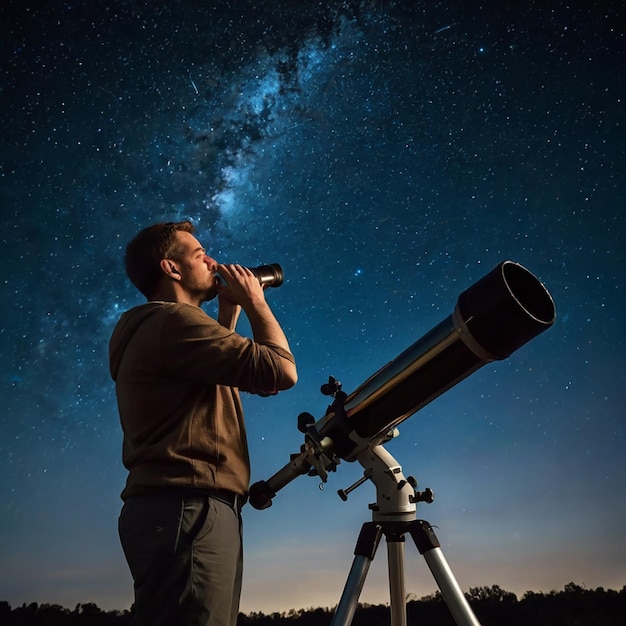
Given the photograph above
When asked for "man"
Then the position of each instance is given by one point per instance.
(178, 373)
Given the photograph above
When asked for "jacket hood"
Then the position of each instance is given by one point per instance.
(128, 323)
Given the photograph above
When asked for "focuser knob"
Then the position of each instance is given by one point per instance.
(428, 496)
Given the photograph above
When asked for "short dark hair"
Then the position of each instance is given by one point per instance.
(146, 250)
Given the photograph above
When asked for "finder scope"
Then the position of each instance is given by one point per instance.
(492, 318)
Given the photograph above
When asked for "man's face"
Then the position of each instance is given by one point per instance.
(197, 270)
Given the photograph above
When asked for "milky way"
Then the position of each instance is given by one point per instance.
(387, 155)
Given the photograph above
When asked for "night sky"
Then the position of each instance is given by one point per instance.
(387, 155)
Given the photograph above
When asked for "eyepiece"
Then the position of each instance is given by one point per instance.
(270, 275)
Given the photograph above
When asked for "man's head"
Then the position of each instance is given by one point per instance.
(167, 253)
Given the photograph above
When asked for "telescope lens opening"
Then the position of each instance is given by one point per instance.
(531, 295)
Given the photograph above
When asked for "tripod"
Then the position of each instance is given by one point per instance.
(394, 516)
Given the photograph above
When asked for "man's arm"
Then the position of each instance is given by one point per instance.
(228, 313)
(243, 289)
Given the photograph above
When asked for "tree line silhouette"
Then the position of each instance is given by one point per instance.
(493, 606)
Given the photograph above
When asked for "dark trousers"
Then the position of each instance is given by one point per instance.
(185, 556)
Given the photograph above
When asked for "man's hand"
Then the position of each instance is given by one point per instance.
(241, 286)
(231, 294)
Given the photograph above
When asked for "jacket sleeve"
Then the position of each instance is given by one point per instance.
(196, 347)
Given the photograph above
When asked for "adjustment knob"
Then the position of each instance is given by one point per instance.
(304, 421)
(428, 496)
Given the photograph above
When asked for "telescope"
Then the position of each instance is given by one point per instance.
(494, 317)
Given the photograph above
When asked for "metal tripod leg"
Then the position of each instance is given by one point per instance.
(397, 590)
(364, 552)
(429, 547)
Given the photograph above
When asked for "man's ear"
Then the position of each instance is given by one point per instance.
(169, 269)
